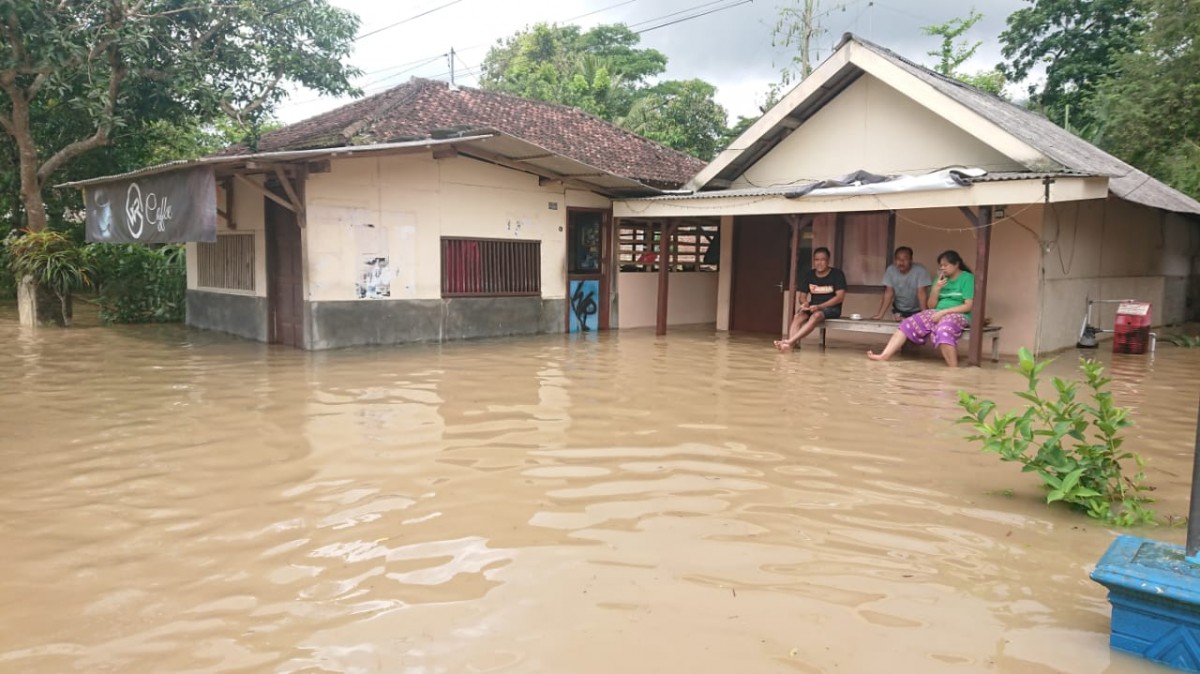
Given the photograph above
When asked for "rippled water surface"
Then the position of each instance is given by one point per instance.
(180, 501)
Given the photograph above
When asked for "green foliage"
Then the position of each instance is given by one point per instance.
(138, 283)
(1150, 104)
(1078, 43)
(682, 115)
(52, 261)
(83, 75)
(601, 71)
(1186, 341)
(954, 52)
(1073, 446)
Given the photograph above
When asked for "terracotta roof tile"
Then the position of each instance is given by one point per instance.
(420, 107)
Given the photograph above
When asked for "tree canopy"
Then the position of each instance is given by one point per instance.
(1078, 43)
(604, 72)
(77, 75)
(954, 52)
(1149, 108)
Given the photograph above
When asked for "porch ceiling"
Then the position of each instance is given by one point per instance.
(773, 200)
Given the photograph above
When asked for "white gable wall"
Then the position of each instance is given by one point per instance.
(871, 126)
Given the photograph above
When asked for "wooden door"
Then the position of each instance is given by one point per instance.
(761, 256)
(285, 277)
(589, 269)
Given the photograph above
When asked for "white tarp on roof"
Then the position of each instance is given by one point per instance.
(864, 183)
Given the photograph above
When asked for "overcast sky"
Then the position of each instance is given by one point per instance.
(730, 47)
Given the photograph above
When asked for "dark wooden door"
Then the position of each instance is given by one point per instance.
(285, 277)
(589, 268)
(761, 252)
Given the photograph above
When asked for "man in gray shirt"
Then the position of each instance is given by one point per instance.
(906, 286)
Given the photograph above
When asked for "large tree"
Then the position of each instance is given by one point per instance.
(1151, 108)
(682, 115)
(604, 72)
(75, 74)
(601, 70)
(1078, 42)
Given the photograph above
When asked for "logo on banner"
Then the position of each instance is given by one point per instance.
(140, 211)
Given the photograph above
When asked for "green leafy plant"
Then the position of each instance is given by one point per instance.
(138, 283)
(52, 261)
(1074, 446)
(1187, 341)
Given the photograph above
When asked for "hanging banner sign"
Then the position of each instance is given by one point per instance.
(164, 208)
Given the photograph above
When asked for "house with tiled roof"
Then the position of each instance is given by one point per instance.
(427, 212)
(872, 151)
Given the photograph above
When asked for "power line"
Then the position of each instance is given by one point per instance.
(694, 17)
(404, 21)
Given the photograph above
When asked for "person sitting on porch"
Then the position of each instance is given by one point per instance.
(906, 286)
(823, 291)
(949, 312)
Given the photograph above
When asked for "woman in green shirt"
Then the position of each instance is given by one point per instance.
(949, 312)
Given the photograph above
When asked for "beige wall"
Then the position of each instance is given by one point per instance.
(871, 126)
(1111, 249)
(692, 298)
(415, 200)
(248, 215)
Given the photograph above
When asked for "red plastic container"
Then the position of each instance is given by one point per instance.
(1131, 333)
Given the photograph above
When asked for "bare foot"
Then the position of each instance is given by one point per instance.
(779, 344)
(785, 346)
(876, 356)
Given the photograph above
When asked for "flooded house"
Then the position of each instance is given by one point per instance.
(928, 162)
(430, 213)
(425, 213)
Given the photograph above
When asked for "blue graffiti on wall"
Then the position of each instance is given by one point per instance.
(584, 305)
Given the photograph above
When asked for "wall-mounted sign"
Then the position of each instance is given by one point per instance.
(164, 208)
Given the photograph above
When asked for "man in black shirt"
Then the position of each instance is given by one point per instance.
(820, 297)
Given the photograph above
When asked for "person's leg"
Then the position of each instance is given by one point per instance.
(913, 329)
(797, 322)
(945, 337)
(805, 330)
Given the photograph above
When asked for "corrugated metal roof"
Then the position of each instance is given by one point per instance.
(1057, 143)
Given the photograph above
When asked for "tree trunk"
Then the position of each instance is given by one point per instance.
(37, 305)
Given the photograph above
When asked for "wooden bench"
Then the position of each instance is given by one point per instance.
(888, 327)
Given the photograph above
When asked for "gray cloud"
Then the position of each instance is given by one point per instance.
(730, 48)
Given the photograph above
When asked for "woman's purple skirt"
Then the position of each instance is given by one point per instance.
(918, 327)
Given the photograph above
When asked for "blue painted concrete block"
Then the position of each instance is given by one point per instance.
(1155, 597)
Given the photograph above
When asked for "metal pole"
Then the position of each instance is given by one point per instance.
(1193, 531)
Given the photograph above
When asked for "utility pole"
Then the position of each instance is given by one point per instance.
(451, 56)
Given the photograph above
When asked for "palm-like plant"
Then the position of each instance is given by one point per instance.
(50, 261)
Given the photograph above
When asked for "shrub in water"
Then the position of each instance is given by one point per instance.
(1073, 446)
(139, 284)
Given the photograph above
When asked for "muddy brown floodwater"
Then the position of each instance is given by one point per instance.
(178, 501)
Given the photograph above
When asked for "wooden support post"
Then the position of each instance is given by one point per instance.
(667, 230)
(983, 241)
(789, 309)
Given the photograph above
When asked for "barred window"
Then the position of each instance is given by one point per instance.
(227, 264)
(692, 247)
(491, 268)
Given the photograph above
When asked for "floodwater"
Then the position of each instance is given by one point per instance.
(179, 501)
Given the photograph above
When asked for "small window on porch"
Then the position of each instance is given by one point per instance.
(491, 268)
(863, 247)
(227, 264)
(693, 247)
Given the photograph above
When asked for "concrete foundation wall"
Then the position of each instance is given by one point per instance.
(240, 315)
(386, 322)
